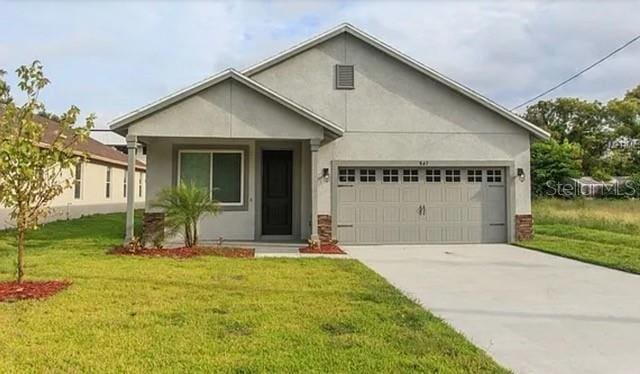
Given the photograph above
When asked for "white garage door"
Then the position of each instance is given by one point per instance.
(421, 205)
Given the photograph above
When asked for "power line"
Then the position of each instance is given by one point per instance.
(576, 75)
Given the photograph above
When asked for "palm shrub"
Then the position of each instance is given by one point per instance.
(183, 207)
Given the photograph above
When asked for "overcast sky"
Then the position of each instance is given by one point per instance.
(111, 57)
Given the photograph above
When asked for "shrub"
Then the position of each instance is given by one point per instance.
(183, 206)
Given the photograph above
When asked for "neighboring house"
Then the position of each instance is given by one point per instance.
(118, 142)
(341, 137)
(100, 182)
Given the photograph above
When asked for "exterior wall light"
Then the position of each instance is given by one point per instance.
(521, 174)
(325, 174)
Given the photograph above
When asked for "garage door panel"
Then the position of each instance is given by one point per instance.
(434, 214)
(367, 214)
(453, 234)
(409, 213)
(367, 194)
(433, 234)
(391, 214)
(411, 195)
(474, 234)
(367, 234)
(453, 214)
(347, 234)
(495, 233)
(390, 195)
(347, 214)
(458, 206)
(434, 193)
(410, 234)
(346, 194)
(453, 195)
(391, 234)
(474, 214)
(475, 193)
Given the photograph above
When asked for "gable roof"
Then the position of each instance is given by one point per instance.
(122, 122)
(93, 148)
(394, 53)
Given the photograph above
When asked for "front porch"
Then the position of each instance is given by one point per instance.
(253, 149)
(266, 188)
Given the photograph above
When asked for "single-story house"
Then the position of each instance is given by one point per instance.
(100, 182)
(340, 137)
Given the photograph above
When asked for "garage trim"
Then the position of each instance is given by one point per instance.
(507, 164)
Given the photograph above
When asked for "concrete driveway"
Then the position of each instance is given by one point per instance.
(534, 313)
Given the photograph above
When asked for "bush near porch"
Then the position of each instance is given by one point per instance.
(206, 314)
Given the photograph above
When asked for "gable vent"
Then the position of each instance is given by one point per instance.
(344, 77)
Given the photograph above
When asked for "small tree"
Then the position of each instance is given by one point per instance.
(183, 207)
(34, 170)
(553, 162)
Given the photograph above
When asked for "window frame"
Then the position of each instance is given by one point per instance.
(474, 177)
(367, 175)
(491, 173)
(455, 174)
(408, 174)
(77, 182)
(140, 184)
(347, 175)
(211, 152)
(124, 184)
(389, 174)
(435, 174)
(109, 177)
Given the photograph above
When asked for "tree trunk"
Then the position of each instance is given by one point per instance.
(187, 235)
(20, 238)
(195, 233)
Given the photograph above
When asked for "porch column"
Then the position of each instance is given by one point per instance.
(315, 145)
(132, 143)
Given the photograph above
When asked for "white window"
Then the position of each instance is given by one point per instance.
(220, 172)
(452, 175)
(124, 184)
(140, 177)
(410, 175)
(494, 176)
(367, 175)
(390, 175)
(77, 181)
(433, 176)
(107, 192)
(346, 175)
(474, 176)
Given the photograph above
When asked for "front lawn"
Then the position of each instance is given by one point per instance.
(209, 314)
(603, 232)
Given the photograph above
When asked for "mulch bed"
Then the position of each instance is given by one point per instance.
(327, 249)
(185, 252)
(12, 291)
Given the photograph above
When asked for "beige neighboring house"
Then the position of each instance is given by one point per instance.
(100, 182)
(341, 137)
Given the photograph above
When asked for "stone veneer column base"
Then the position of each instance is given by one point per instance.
(153, 228)
(324, 228)
(524, 227)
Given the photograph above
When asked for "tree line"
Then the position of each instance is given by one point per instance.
(588, 138)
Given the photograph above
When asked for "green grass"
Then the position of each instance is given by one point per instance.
(602, 232)
(213, 314)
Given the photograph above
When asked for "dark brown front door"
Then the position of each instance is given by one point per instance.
(276, 192)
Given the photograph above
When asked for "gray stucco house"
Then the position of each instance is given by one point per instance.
(342, 137)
